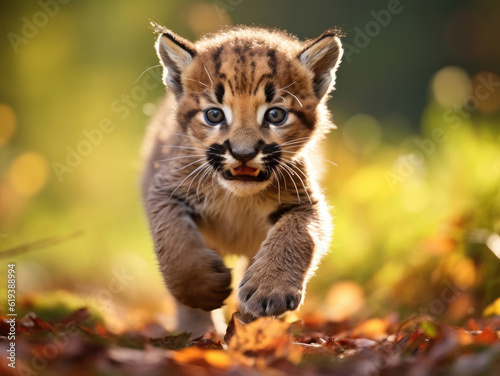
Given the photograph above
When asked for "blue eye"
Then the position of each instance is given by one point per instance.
(276, 115)
(214, 116)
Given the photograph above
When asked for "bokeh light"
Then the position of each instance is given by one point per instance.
(344, 299)
(28, 174)
(205, 18)
(361, 133)
(450, 86)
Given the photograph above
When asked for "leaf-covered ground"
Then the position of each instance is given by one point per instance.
(81, 345)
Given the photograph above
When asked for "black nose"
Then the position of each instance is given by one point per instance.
(244, 154)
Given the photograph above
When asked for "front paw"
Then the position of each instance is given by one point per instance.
(201, 282)
(268, 295)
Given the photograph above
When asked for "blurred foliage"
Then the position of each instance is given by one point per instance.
(416, 192)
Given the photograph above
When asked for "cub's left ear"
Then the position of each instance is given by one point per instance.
(322, 57)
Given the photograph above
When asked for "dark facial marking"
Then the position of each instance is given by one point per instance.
(235, 78)
(271, 155)
(242, 56)
(241, 84)
(215, 155)
(186, 117)
(244, 81)
(303, 118)
(262, 78)
(252, 76)
(219, 92)
(269, 91)
(271, 54)
(231, 87)
(217, 59)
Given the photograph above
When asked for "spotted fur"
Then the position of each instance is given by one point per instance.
(243, 185)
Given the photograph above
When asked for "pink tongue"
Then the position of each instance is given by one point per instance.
(245, 170)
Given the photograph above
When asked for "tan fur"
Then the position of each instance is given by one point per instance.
(198, 208)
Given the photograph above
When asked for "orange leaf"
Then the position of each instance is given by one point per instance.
(263, 334)
(487, 337)
(194, 355)
(372, 328)
(101, 330)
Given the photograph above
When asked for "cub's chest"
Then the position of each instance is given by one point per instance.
(236, 226)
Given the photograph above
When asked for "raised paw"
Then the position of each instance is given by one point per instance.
(203, 283)
(268, 296)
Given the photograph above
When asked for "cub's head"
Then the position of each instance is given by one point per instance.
(251, 98)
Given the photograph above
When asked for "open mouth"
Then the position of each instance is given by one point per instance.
(245, 173)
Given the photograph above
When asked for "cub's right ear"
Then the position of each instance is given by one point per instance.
(175, 54)
(322, 57)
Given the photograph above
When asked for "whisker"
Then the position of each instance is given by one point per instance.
(213, 177)
(182, 182)
(210, 78)
(181, 147)
(201, 83)
(192, 163)
(281, 151)
(294, 152)
(298, 169)
(283, 100)
(155, 66)
(293, 181)
(280, 172)
(286, 91)
(191, 137)
(305, 189)
(185, 156)
(206, 170)
(294, 146)
(283, 176)
(289, 151)
(279, 188)
(295, 140)
(330, 162)
(287, 86)
(191, 182)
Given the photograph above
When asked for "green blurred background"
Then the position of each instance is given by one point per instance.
(415, 194)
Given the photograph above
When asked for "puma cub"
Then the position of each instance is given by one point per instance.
(230, 160)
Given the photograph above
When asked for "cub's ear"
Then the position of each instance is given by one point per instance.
(175, 53)
(322, 57)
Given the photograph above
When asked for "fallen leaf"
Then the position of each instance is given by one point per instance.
(175, 342)
(486, 337)
(194, 355)
(81, 314)
(206, 344)
(263, 334)
(373, 328)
